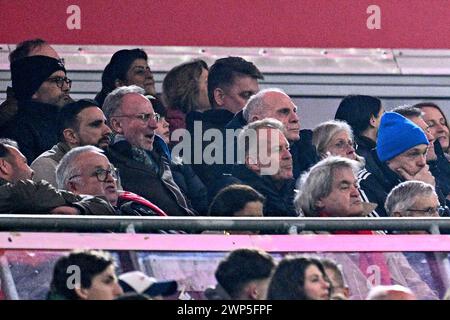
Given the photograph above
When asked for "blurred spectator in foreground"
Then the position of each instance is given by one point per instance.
(299, 278)
(237, 200)
(140, 283)
(243, 275)
(85, 275)
(339, 290)
(127, 67)
(395, 292)
(363, 114)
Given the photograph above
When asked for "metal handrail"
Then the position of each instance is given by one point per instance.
(32, 222)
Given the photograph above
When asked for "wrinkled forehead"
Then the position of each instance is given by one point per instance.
(133, 103)
(15, 153)
(92, 160)
(277, 100)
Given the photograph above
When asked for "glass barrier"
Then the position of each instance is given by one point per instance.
(419, 262)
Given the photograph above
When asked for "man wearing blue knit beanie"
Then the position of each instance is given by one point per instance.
(400, 155)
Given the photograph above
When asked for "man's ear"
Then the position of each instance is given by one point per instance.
(71, 137)
(116, 126)
(5, 168)
(373, 120)
(219, 96)
(319, 204)
(397, 214)
(252, 163)
(250, 291)
(72, 187)
(82, 293)
(254, 118)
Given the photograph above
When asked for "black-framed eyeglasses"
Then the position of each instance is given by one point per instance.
(144, 117)
(431, 211)
(60, 81)
(101, 174)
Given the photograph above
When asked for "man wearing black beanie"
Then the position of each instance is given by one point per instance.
(41, 87)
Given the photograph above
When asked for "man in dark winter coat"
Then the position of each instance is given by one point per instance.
(144, 169)
(41, 87)
(266, 167)
(400, 155)
(231, 82)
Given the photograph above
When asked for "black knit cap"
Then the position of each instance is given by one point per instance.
(29, 73)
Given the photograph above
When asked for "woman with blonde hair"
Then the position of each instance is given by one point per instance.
(335, 138)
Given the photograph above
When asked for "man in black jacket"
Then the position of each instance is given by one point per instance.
(144, 168)
(41, 87)
(400, 155)
(266, 166)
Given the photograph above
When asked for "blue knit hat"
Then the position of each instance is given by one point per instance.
(397, 134)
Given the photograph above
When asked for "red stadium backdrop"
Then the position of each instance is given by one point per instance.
(230, 23)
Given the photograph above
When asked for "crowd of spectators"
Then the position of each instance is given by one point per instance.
(213, 144)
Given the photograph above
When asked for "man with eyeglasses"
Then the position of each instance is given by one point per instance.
(41, 87)
(143, 164)
(400, 156)
(80, 123)
(86, 170)
(414, 199)
(27, 48)
(18, 194)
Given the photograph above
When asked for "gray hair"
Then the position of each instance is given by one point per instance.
(408, 111)
(113, 100)
(317, 183)
(68, 166)
(402, 197)
(325, 131)
(256, 105)
(249, 132)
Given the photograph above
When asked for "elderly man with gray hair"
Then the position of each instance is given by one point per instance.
(86, 170)
(275, 103)
(330, 189)
(266, 165)
(139, 154)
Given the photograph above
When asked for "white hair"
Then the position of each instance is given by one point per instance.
(69, 166)
(113, 100)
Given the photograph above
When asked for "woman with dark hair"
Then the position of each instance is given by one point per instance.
(437, 123)
(237, 200)
(185, 89)
(363, 114)
(127, 67)
(299, 278)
